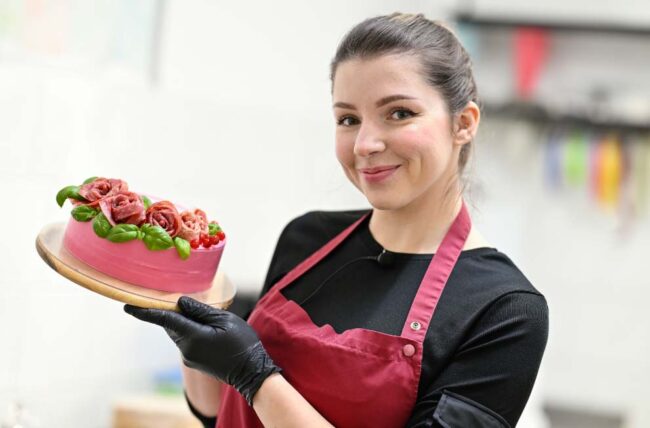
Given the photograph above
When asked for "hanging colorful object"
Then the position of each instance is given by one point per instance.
(609, 171)
(552, 156)
(576, 155)
(612, 167)
(530, 50)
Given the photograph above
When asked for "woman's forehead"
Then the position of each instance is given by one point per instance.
(370, 79)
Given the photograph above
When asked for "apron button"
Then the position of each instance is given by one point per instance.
(408, 350)
(415, 325)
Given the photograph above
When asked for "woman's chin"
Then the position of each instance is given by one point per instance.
(383, 201)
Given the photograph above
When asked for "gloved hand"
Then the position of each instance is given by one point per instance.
(216, 342)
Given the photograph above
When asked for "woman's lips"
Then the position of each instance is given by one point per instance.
(378, 174)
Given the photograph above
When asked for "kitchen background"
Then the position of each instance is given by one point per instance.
(226, 105)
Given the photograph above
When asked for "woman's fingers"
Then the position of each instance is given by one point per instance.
(200, 312)
(167, 319)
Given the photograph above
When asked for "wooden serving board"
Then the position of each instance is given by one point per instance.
(49, 244)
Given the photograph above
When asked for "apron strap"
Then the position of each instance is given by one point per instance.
(435, 278)
(317, 256)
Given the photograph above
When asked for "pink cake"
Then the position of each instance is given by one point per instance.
(154, 245)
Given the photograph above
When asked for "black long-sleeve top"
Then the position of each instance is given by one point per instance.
(485, 341)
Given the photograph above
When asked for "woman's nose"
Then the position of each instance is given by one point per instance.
(369, 140)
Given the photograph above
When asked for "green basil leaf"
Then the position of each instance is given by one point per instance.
(183, 247)
(212, 229)
(157, 238)
(101, 225)
(123, 233)
(146, 201)
(90, 180)
(69, 192)
(77, 196)
(140, 235)
(84, 213)
(143, 230)
(65, 194)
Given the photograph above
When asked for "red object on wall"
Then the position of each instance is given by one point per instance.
(530, 49)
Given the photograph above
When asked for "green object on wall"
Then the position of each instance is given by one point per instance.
(576, 159)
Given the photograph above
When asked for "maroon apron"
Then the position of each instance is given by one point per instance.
(358, 378)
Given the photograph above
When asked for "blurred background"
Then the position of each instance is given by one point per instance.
(226, 106)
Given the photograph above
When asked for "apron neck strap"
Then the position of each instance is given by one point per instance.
(436, 276)
(432, 284)
(318, 255)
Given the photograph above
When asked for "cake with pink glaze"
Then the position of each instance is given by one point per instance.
(157, 245)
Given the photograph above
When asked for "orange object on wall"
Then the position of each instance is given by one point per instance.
(608, 171)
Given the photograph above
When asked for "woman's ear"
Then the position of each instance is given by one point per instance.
(466, 123)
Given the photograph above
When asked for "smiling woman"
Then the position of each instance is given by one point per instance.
(397, 140)
(446, 332)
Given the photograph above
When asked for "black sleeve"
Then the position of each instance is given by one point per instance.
(208, 422)
(491, 376)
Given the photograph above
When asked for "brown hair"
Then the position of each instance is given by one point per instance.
(445, 63)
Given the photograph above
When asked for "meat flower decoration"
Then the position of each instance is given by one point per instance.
(120, 215)
(101, 188)
(126, 207)
(165, 215)
(191, 226)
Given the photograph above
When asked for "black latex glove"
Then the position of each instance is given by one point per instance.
(216, 342)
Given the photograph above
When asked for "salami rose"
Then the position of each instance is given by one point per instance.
(165, 215)
(125, 207)
(190, 226)
(202, 219)
(101, 188)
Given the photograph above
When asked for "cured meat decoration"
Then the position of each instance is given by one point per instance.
(120, 215)
(125, 207)
(203, 220)
(101, 188)
(165, 215)
(191, 226)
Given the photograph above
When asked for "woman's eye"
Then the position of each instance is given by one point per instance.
(401, 113)
(346, 121)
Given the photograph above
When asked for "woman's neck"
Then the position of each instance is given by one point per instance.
(418, 227)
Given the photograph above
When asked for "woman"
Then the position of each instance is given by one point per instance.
(397, 316)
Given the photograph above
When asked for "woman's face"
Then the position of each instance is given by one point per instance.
(393, 131)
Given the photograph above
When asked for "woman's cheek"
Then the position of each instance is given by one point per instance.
(409, 139)
(345, 153)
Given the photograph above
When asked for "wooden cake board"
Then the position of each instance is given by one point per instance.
(49, 244)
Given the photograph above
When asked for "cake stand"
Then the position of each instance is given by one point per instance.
(49, 244)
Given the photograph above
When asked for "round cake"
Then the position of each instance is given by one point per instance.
(157, 245)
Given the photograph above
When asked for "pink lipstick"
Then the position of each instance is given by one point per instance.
(378, 173)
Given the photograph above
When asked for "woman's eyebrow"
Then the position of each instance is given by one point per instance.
(381, 102)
